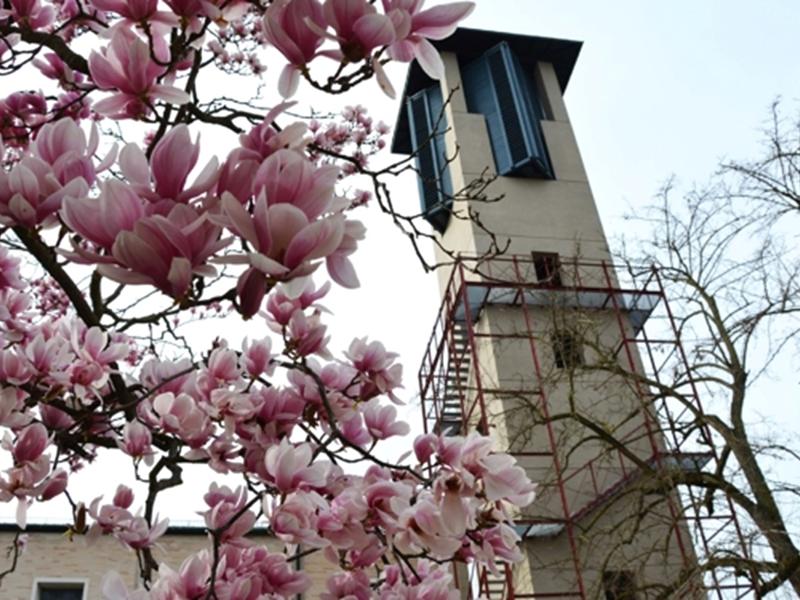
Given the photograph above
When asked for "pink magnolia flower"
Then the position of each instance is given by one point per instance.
(381, 421)
(277, 576)
(64, 147)
(74, 104)
(132, 531)
(257, 357)
(236, 175)
(306, 335)
(100, 220)
(48, 356)
(425, 446)
(88, 373)
(286, 28)
(223, 366)
(264, 140)
(123, 497)
(9, 271)
(338, 264)
(289, 467)
(54, 418)
(450, 491)
(169, 376)
(54, 485)
(298, 294)
(137, 12)
(165, 176)
(224, 505)
(295, 221)
(285, 242)
(294, 521)
(12, 408)
(30, 194)
(500, 542)
(181, 416)
(165, 251)
(352, 428)
(505, 480)
(421, 527)
(27, 478)
(114, 588)
(29, 14)
(223, 454)
(20, 114)
(280, 410)
(24, 482)
(415, 26)
(380, 497)
(358, 26)
(429, 581)
(249, 573)
(30, 444)
(368, 553)
(14, 314)
(189, 582)
(14, 369)
(254, 573)
(126, 68)
(95, 344)
(287, 177)
(229, 407)
(343, 524)
(354, 585)
(136, 440)
(378, 373)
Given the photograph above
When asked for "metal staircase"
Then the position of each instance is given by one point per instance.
(450, 419)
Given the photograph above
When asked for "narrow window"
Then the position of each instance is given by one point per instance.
(59, 590)
(428, 127)
(567, 350)
(619, 585)
(548, 269)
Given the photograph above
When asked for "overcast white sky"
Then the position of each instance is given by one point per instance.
(659, 89)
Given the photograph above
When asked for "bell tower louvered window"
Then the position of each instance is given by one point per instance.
(428, 125)
(496, 86)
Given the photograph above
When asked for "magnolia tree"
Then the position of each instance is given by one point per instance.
(106, 245)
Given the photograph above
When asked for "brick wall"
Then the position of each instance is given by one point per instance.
(52, 555)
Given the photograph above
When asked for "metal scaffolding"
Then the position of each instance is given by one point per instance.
(459, 395)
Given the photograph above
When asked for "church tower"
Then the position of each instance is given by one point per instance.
(540, 341)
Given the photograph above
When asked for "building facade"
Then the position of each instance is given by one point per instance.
(540, 341)
(57, 567)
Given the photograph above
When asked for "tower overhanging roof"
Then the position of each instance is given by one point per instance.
(469, 44)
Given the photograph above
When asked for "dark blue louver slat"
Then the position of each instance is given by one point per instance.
(435, 185)
(496, 86)
(481, 98)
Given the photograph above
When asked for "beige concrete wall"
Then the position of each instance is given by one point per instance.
(52, 555)
(611, 540)
(509, 352)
